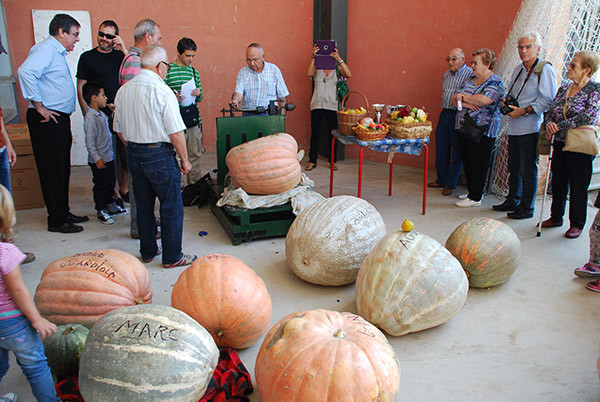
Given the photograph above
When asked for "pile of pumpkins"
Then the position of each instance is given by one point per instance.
(405, 282)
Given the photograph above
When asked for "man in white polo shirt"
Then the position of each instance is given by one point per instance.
(147, 116)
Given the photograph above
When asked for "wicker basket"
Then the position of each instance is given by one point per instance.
(409, 130)
(365, 134)
(345, 120)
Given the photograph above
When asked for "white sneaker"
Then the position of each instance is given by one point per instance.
(105, 217)
(467, 202)
(462, 196)
(10, 397)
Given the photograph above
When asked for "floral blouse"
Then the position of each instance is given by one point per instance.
(582, 108)
(490, 114)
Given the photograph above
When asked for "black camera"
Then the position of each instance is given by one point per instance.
(509, 101)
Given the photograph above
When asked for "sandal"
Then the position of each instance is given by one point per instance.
(335, 168)
(186, 259)
(147, 260)
(594, 286)
(587, 271)
(310, 166)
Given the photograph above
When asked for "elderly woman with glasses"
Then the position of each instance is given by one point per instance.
(480, 97)
(576, 104)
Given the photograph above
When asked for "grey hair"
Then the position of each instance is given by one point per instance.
(142, 28)
(537, 38)
(152, 55)
(259, 47)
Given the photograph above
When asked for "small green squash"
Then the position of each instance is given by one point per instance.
(487, 249)
(63, 349)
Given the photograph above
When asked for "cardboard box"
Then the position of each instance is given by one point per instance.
(19, 137)
(25, 183)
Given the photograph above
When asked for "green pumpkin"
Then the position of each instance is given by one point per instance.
(63, 349)
(147, 353)
(487, 249)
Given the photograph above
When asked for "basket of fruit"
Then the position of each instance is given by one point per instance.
(368, 130)
(349, 117)
(408, 123)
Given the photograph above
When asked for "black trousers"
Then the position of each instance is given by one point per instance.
(318, 117)
(571, 172)
(476, 162)
(104, 184)
(51, 144)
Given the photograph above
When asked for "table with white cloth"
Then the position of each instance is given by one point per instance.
(391, 146)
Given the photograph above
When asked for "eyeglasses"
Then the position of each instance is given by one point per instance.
(166, 64)
(248, 60)
(106, 35)
(452, 59)
(528, 47)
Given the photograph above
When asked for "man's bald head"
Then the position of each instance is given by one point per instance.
(455, 59)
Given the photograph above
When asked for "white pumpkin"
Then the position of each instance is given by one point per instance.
(329, 240)
(409, 282)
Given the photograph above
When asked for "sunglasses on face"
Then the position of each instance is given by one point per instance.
(106, 35)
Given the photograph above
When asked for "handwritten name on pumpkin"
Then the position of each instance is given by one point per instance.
(364, 327)
(78, 262)
(407, 238)
(362, 215)
(138, 329)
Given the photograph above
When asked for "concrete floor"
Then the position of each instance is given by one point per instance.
(535, 338)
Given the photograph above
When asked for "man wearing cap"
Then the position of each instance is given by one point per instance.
(47, 84)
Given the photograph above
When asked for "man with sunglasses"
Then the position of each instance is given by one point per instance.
(101, 64)
(447, 155)
(47, 84)
(533, 85)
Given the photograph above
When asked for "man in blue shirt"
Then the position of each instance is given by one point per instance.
(533, 85)
(447, 154)
(47, 84)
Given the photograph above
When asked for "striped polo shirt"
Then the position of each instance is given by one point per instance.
(452, 83)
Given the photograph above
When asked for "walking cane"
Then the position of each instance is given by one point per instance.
(539, 225)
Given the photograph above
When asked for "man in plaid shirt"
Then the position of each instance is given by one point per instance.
(259, 82)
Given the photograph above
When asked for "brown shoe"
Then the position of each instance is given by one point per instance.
(435, 184)
(573, 233)
(549, 223)
(447, 191)
(29, 257)
(137, 236)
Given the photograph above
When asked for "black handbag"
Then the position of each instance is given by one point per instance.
(190, 115)
(470, 130)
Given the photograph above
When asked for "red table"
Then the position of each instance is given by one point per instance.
(389, 145)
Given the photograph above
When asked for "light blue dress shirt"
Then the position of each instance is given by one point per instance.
(45, 77)
(539, 91)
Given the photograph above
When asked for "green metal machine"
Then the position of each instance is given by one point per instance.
(244, 225)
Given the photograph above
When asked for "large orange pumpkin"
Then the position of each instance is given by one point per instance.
(322, 355)
(81, 288)
(266, 165)
(226, 297)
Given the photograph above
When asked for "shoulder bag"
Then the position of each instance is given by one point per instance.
(470, 130)
(582, 139)
(190, 113)
(342, 85)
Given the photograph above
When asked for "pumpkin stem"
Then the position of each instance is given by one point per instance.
(68, 330)
(139, 301)
(339, 334)
(219, 334)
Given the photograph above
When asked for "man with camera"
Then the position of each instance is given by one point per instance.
(533, 86)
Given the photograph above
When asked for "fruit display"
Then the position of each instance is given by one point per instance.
(409, 282)
(266, 165)
(63, 349)
(360, 110)
(329, 240)
(147, 353)
(322, 355)
(226, 297)
(488, 250)
(368, 130)
(81, 288)
(407, 123)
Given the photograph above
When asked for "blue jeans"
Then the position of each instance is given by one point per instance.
(154, 171)
(4, 170)
(447, 151)
(18, 336)
(523, 170)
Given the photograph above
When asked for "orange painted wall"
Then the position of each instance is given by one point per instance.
(396, 49)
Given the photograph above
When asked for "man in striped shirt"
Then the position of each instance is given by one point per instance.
(447, 155)
(181, 72)
(259, 82)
